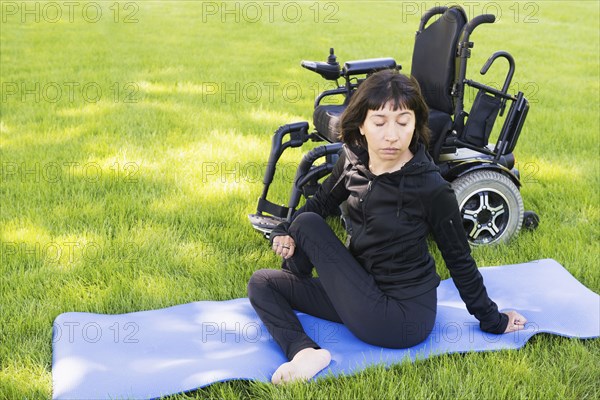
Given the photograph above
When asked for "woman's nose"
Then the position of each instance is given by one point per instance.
(392, 134)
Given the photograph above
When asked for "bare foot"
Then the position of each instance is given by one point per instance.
(305, 364)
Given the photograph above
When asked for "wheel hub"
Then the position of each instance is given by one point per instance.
(484, 214)
(484, 217)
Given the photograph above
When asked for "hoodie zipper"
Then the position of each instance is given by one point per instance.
(363, 204)
(355, 160)
(365, 198)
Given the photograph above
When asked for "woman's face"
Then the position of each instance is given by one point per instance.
(388, 134)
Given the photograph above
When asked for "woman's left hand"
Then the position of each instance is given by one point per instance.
(516, 321)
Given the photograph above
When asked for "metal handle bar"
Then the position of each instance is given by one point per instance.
(474, 23)
(430, 13)
(511, 67)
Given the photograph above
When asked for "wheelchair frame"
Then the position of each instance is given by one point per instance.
(484, 178)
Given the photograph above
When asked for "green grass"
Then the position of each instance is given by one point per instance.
(135, 197)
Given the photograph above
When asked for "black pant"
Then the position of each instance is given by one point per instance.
(344, 292)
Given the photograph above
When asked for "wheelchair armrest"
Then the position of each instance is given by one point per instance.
(498, 93)
(333, 92)
(359, 67)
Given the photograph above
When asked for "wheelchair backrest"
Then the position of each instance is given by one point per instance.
(434, 57)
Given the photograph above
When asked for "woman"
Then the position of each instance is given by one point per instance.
(383, 286)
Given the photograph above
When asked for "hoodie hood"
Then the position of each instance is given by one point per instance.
(421, 161)
(419, 164)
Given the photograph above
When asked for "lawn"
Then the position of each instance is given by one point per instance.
(134, 135)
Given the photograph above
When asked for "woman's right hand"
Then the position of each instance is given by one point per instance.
(284, 246)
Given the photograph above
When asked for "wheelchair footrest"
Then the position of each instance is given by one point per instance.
(264, 223)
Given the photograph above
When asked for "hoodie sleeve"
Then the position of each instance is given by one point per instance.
(449, 234)
(330, 194)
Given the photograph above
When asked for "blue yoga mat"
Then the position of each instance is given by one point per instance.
(149, 354)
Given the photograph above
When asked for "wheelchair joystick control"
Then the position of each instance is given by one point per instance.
(332, 59)
(329, 70)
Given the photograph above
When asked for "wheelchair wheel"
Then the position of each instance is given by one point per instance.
(491, 206)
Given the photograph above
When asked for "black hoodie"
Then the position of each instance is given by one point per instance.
(391, 216)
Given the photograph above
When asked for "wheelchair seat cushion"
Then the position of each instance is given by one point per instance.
(327, 121)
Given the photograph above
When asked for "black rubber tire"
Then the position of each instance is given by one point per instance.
(491, 206)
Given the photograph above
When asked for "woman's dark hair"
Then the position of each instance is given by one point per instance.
(373, 94)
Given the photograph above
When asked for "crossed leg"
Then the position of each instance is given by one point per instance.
(343, 292)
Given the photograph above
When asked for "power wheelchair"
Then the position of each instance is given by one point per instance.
(483, 176)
